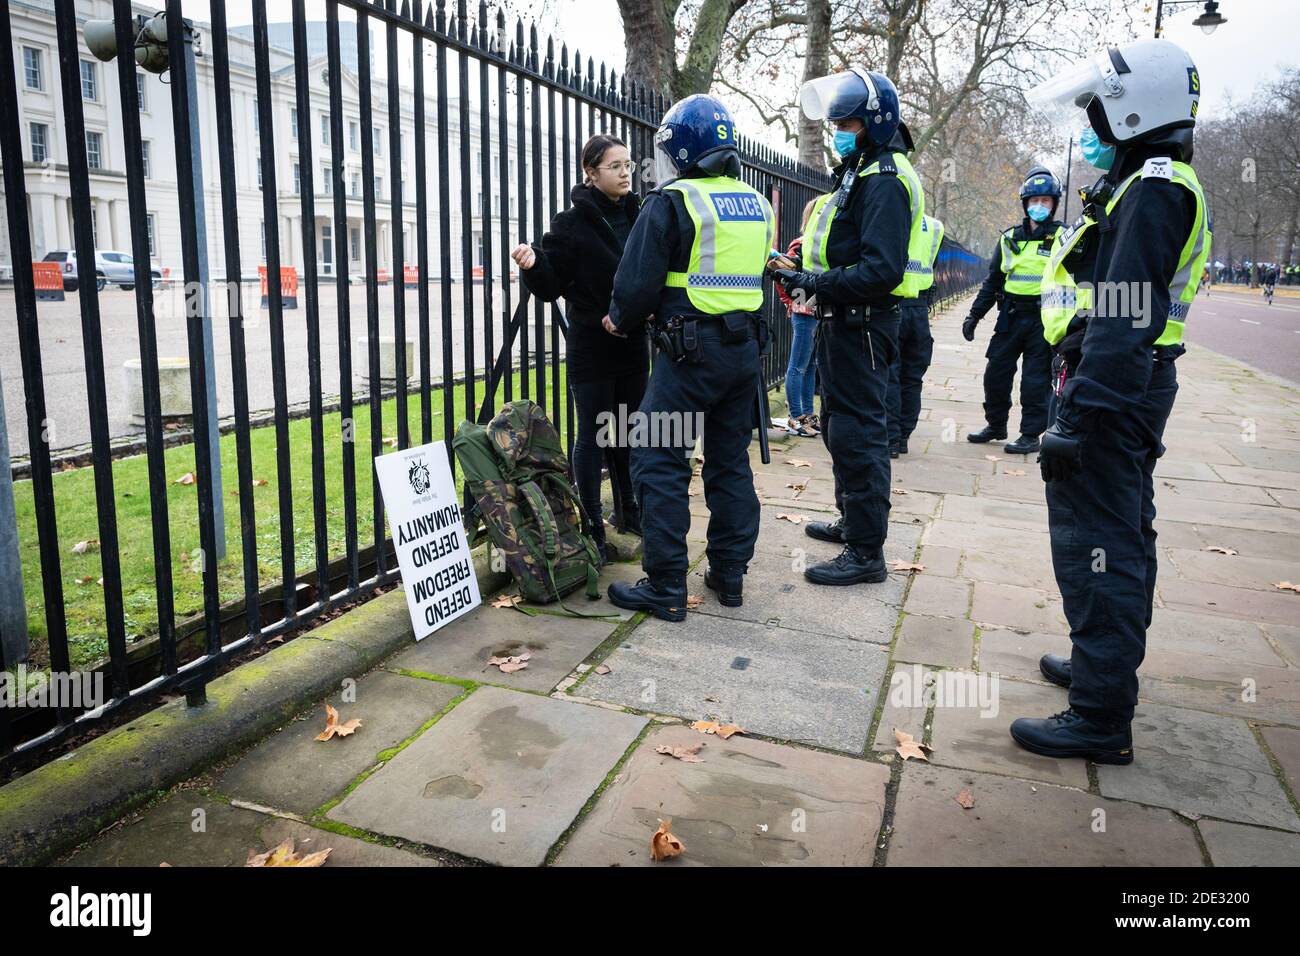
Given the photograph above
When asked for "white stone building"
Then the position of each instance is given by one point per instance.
(49, 207)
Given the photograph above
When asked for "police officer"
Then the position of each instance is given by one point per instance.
(1015, 273)
(862, 253)
(1116, 294)
(915, 350)
(695, 262)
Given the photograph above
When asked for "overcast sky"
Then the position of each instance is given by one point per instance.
(1246, 51)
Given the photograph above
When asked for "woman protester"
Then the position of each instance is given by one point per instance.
(576, 259)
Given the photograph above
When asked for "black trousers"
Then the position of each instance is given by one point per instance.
(720, 389)
(1104, 550)
(854, 368)
(907, 371)
(592, 401)
(1018, 336)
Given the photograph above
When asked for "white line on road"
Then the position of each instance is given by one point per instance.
(1248, 321)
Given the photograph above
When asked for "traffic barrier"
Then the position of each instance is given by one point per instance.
(410, 276)
(48, 279)
(288, 287)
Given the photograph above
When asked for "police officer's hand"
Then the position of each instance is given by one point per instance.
(1061, 454)
(611, 328)
(524, 256)
(968, 328)
(805, 283)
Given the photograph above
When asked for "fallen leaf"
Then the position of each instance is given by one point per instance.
(793, 519)
(332, 727)
(897, 491)
(1287, 586)
(684, 754)
(663, 845)
(390, 442)
(693, 601)
(284, 855)
(705, 726)
(727, 731)
(908, 748)
(259, 482)
(81, 547)
(992, 458)
(1218, 550)
(603, 669)
(510, 666)
(86, 580)
(965, 799)
(905, 566)
(508, 600)
(713, 727)
(185, 479)
(798, 463)
(1015, 472)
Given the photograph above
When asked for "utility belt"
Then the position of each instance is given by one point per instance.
(1066, 360)
(853, 316)
(680, 339)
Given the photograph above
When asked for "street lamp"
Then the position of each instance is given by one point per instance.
(1209, 20)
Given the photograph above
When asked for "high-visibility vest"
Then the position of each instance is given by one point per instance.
(734, 225)
(1062, 298)
(932, 228)
(817, 234)
(1024, 264)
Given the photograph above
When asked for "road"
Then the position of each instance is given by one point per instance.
(1243, 326)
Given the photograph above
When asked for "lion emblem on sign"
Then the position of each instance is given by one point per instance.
(418, 475)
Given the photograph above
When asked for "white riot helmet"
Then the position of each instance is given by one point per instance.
(1130, 92)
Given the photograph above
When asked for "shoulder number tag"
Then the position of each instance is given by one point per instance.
(1159, 167)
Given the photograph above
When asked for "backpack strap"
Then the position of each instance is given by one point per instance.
(546, 521)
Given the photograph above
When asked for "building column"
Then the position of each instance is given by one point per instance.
(45, 225)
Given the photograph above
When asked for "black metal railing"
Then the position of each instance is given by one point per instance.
(532, 104)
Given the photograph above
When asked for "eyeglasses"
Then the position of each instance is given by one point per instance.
(618, 167)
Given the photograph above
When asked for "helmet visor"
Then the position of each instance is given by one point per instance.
(665, 168)
(1062, 98)
(837, 96)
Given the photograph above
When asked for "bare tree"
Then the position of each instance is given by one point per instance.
(651, 36)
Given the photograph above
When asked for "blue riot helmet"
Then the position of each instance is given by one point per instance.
(696, 131)
(1039, 181)
(855, 92)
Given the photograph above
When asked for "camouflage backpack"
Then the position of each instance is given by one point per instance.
(518, 475)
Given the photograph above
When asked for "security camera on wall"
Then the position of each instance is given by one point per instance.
(150, 42)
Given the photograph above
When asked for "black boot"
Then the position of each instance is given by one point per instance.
(1071, 734)
(728, 584)
(1055, 668)
(662, 596)
(988, 433)
(832, 531)
(1024, 445)
(902, 446)
(850, 566)
(893, 449)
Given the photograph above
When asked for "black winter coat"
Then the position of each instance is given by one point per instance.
(576, 261)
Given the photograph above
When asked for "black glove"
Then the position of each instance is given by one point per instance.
(968, 328)
(797, 284)
(1061, 454)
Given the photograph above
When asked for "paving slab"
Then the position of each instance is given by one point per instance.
(1019, 823)
(1028, 609)
(1275, 607)
(166, 833)
(1285, 744)
(937, 596)
(792, 685)
(1251, 691)
(292, 770)
(500, 778)
(943, 641)
(971, 727)
(1199, 763)
(904, 709)
(780, 595)
(1015, 654)
(557, 644)
(1234, 844)
(748, 803)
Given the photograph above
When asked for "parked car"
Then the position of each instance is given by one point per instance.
(110, 266)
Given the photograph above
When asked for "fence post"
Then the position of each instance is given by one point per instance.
(13, 607)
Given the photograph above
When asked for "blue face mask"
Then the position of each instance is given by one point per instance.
(845, 142)
(1094, 151)
(1039, 213)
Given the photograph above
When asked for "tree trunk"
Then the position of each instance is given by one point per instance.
(812, 139)
(696, 74)
(650, 38)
